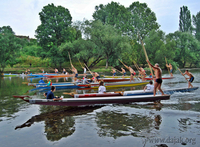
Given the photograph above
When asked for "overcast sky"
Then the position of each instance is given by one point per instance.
(23, 15)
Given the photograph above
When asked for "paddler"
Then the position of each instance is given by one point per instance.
(142, 73)
(171, 69)
(133, 73)
(123, 71)
(50, 94)
(191, 78)
(158, 74)
(96, 75)
(114, 72)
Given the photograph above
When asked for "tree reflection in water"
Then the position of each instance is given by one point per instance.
(113, 124)
(59, 121)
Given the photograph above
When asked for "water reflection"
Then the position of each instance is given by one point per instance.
(59, 121)
(115, 124)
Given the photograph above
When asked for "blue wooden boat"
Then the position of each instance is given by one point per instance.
(68, 86)
(167, 91)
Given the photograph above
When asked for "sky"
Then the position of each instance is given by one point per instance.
(23, 15)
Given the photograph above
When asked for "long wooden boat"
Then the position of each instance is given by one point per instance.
(116, 85)
(53, 84)
(68, 86)
(164, 78)
(114, 79)
(62, 75)
(133, 93)
(118, 77)
(91, 86)
(97, 100)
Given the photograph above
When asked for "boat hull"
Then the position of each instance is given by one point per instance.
(98, 100)
(134, 93)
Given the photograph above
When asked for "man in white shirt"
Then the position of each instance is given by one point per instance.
(149, 87)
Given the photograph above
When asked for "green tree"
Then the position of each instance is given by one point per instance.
(109, 41)
(156, 48)
(142, 19)
(196, 23)
(185, 24)
(114, 14)
(187, 48)
(9, 47)
(53, 31)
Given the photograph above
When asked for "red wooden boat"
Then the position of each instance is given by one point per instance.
(164, 78)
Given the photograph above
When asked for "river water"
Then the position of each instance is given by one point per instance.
(176, 123)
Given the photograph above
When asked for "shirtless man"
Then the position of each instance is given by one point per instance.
(74, 70)
(142, 73)
(158, 81)
(114, 72)
(191, 78)
(133, 73)
(171, 69)
(123, 71)
(96, 75)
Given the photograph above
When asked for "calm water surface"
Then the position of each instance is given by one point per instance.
(176, 123)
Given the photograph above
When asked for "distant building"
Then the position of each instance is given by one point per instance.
(23, 37)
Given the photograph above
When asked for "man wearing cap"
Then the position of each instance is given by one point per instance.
(158, 74)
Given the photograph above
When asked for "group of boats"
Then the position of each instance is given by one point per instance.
(97, 98)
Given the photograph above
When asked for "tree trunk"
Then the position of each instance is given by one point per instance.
(107, 62)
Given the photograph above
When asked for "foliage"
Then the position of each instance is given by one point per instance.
(187, 48)
(53, 31)
(143, 19)
(113, 14)
(185, 20)
(196, 23)
(9, 47)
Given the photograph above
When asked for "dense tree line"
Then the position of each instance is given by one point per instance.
(112, 35)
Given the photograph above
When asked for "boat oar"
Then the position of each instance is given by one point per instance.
(124, 64)
(70, 60)
(116, 69)
(88, 69)
(167, 64)
(80, 62)
(145, 54)
(71, 94)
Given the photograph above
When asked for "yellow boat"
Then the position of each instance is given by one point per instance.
(121, 84)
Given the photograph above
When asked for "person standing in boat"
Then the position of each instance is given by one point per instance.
(142, 73)
(171, 69)
(50, 94)
(75, 72)
(191, 78)
(149, 87)
(158, 74)
(123, 71)
(56, 70)
(64, 71)
(114, 72)
(96, 75)
(102, 88)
